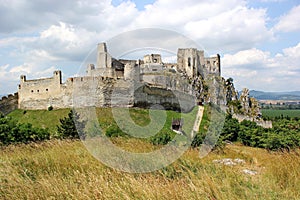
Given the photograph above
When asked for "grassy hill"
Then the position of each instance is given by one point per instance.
(50, 119)
(40, 118)
(65, 170)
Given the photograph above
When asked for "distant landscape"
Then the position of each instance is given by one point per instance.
(260, 95)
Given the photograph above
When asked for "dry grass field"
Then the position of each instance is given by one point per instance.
(64, 169)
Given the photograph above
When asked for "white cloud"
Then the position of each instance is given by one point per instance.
(222, 25)
(289, 22)
(293, 52)
(257, 69)
(246, 57)
(63, 32)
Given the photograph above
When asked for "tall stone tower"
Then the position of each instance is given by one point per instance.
(188, 60)
(104, 62)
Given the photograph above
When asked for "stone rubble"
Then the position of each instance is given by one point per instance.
(249, 172)
(234, 162)
(229, 161)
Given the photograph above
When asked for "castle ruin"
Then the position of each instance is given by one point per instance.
(120, 82)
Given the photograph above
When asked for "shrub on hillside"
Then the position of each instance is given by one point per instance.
(114, 131)
(68, 128)
(13, 132)
(285, 134)
(198, 139)
(162, 138)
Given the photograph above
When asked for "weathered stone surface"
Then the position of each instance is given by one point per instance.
(8, 103)
(230, 162)
(113, 82)
(249, 172)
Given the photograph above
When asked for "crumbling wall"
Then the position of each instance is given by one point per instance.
(147, 96)
(82, 92)
(8, 103)
(168, 80)
(39, 93)
(188, 61)
(260, 122)
(213, 65)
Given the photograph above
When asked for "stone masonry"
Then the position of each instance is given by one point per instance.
(119, 82)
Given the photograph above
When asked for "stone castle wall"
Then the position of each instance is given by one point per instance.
(40, 93)
(8, 103)
(265, 124)
(113, 82)
(101, 91)
(212, 65)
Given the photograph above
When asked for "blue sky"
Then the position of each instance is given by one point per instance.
(258, 40)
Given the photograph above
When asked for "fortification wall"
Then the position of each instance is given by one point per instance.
(9, 103)
(168, 80)
(102, 92)
(147, 96)
(39, 93)
(212, 65)
(188, 60)
(106, 92)
(265, 124)
(81, 92)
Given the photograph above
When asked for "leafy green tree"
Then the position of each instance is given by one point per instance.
(231, 129)
(68, 128)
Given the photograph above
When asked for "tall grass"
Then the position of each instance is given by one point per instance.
(65, 170)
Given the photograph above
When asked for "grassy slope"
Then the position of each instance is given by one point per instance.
(40, 118)
(50, 119)
(65, 170)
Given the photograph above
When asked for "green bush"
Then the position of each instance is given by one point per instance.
(285, 133)
(13, 132)
(231, 129)
(114, 131)
(162, 138)
(198, 139)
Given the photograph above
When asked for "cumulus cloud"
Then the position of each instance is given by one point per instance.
(289, 22)
(258, 69)
(246, 57)
(37, 35)
(222, 25)
(10, 75)
(225, 25)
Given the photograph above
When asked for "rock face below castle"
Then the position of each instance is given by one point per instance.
(125, 83)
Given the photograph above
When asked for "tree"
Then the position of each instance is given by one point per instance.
(231, 129)
(68, 128)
